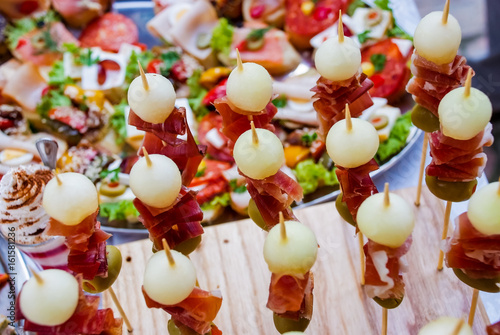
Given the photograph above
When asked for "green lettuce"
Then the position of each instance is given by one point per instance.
(222, 37)
(222, 200)
(397, 139)
(311, 175)
(196, 95)
(118, 122)
(118, 210)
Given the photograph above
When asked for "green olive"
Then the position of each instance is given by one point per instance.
(482, 284)
(379, 121)
(388, 303)
(424, 119)
(344, 211)
(284, 325)
(100, 284)
(188, 246)
(451, 191)
(203, 40)
(255, 215)
(255, 44)
(112, 190)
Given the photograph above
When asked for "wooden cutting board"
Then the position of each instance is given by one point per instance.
(230, 259)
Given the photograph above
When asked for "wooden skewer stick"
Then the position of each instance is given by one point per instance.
(143, 76)
(458, 327)
(422, 166)
(341, 28)
(348, 120)
(39, 279)
(468, 83)
(473, 305)
(238, 60)
(445, 233)
(120, 309)
(170, 258)
(255, 138)
(56, 174)
(446, 11)
(361, 257)
(282, 226)
(146, 156)
(387, 200)
(384, 321)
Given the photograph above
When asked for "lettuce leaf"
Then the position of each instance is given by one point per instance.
(222, 37)
(311, 175)
(222, 200)
(19, 28)
(196, 95)
(397, 139)
(118, 210)
(118, 122)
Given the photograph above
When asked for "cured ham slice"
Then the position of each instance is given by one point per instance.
(331, 98)
(476, 254)
(163, 138)
(356, 185)
(87, 318)
(25, 87)
(197, 311)
(287, 293)
(431, 82)
(493, 329)
(456, 160)
(274, 194)
(177, 223)
(383, 277)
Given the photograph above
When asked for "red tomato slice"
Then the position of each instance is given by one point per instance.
(391, 81)
(155, 66)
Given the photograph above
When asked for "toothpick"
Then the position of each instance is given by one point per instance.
(447, 214)
(255, 138)
(361, 257)
(473, 305)
(120, 309)
(171, 260)
(143, 76)
(238, 61)
(282, 226)
(422, 166)
(387, 201)
(59, 181)
(458, 327)
(341, 28)
(39, 279)
(384, 321)
(468, 82)
(146, 155)
(348, 121)
(446, 11)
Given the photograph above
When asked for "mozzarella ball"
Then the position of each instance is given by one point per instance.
(336, 60)
(250, 89)
(155, 104)
(158, 184)
(354, 147)
(294, 255)
(484, 210)
(463, 117)
(169, 284)
(445, 325)
(71, 201)
(261, 160)
(387, 225)
(435, 41)
(52, 302)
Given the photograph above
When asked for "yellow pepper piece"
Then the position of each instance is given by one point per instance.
(368, 68)
(211, 76)
(79, 95)
(294, 154)
(307, 7)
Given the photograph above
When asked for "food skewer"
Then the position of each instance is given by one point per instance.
(384, 321)
(473, 306)
(120, 309)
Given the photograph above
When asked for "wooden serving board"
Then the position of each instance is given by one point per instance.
(230, 259)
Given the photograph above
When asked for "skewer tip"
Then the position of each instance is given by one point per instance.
(348, 121)
(282, 226)
(468, 83)
(341, 27)
(146, 156)
(446, 12)
(387, 201)
(56, 175)
(170, 258)
(143, 76)
(238, 60)
(255, 138)
(38, 278)
(458, 327)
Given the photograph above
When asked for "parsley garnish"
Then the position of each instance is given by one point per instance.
(233, 184)
(112, 175)
(200, 173)
(378, 61)
(308, 138)
(257, 34)
(363, 36)
(398, 32)
(169, 60)
(280, 101)
(118, 122)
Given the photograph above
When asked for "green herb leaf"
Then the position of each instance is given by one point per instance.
(196, 95)
(233, 184)
(118, 122)
(219, 200)
(382, 4)
(397, 139)
(311, 175)
(169, 60)
(308, 138)
(257, 34)
(280, 101)
(86, 58)
(200, 173)
(54, 98)
(355, 5)
(398, 32)
(132, 69)
(57, 76)
(112, 175)
(121, 210)
(222, 37)
(378, 61)
(19, 28)
(363, 37)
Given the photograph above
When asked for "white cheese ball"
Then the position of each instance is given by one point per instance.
(169, 284)
(52, 302)
(338, 60)
(294, 333)
(354, 147)
(71, 201)
(435, 41)
(294, 255)
(250, 89)
(445, 326)
(484, 210)
(155, 104)
(463, 117)
(261, 160)
(158, 184)
(387, 225)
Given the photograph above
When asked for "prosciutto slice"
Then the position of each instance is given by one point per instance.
(383, 277)
(476, 254)
(274, 194)
(163, 138)
(431, 82)
(357, 185)
(456, 160)
(290, 296)
(493, 329)
(332, 96)
(87, 318)
(197, 311)
(177, 223)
